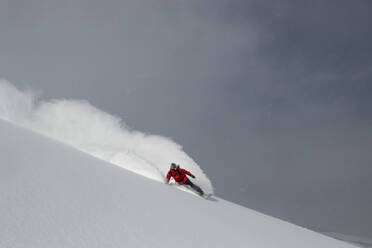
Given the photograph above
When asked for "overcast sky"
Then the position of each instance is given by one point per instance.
(272, 98)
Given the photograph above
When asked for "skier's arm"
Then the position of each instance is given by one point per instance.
(168, 177)
(187, 173)
(183, 171)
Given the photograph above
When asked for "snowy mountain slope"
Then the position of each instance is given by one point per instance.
(55, 196)
(79, 124)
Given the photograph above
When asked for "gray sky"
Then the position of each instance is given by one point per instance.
(271, 98)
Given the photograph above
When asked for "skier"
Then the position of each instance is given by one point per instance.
(180, 176)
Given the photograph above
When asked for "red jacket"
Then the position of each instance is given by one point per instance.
(179, 175)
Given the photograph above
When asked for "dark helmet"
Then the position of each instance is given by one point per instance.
(174, 166)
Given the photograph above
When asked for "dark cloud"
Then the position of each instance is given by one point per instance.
(272, 98)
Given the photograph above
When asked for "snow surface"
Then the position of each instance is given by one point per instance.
(53, 195)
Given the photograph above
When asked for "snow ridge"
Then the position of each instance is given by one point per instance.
(360, 242)
(79, 124)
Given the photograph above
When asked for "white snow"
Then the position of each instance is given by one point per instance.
(53, 195)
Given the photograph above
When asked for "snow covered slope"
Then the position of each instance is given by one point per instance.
(52, 195)
(79, 124)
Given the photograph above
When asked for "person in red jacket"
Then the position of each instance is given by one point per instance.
(180, 176)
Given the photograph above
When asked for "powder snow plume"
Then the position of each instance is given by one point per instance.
(79, 124)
